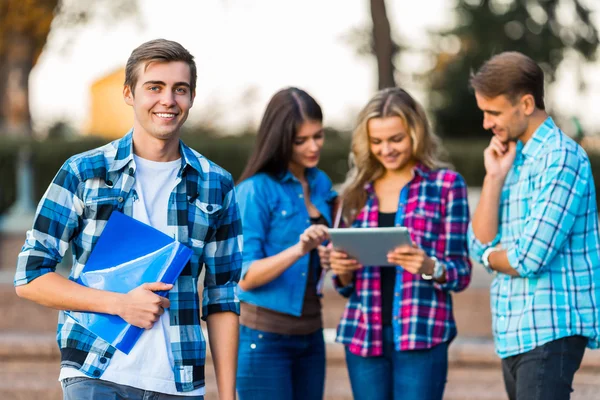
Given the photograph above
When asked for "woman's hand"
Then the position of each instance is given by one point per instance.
(324, 253)
(343, 266)
(412, 258)
(311, 238)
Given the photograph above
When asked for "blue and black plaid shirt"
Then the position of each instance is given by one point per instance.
(549, 227)
(203, 214)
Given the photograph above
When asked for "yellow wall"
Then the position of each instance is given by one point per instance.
(109, 117)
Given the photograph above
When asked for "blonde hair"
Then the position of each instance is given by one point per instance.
(364, 167)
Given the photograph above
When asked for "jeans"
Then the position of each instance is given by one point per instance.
(405, 375)
(283, 367)
(545, 372)
(87, 388)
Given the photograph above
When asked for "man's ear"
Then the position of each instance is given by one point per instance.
(128, 95)
(528, 104)
(193, 97)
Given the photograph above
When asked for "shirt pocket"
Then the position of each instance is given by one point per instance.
(101, 207)
(203, 220)
(286, 224)
(425, 226)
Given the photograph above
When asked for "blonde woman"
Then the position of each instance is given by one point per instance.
(398, 321)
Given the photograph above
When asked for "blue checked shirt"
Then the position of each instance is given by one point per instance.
(203, 214)
(549, 226)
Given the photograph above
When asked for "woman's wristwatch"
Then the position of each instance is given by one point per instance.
(438, 270)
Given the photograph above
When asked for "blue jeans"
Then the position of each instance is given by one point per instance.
(405, 375)
(282, 367)
(88, 388)
(546, 372)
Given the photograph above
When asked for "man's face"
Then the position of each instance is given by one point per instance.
(162, 99)
(506, 120)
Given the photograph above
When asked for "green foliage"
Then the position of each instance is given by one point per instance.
(229, 152)
(545, 30)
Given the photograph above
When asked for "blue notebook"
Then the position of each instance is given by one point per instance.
(128, 253)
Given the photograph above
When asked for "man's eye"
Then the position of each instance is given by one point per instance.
(153, 88)
(181, 90)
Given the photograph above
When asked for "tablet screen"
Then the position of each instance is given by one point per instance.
(369, 245)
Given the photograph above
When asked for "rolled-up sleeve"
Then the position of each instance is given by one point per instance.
(476, 247)
(552, 214)
(345, 291)
(454, 238)
(223, 260)
(55, 223)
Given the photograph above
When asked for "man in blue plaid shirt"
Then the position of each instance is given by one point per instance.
(152, 176)
(536, 230)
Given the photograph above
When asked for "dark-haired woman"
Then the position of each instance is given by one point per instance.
(285, 203)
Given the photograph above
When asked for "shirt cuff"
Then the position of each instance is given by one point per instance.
(345, 291)
(513, 260)
(476, 247)
(220, 299)
(23, 278)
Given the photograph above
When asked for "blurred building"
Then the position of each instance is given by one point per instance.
(109, 117)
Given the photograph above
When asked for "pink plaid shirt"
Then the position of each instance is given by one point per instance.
(437, 215)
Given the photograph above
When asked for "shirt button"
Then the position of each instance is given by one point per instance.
(396, 294)
(120, 199)
(102, 360)
(209, 207)
(131, 171)
(284, 213)
(304, 274)
(301, 196)
(109, 183)
(260, 335)
(96, 373)
(253, 346)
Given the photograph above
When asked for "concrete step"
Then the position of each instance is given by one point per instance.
(29, 367)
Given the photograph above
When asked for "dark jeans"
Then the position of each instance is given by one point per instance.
(546, 372)
(88, 388)
(281, 367)
(400, 375)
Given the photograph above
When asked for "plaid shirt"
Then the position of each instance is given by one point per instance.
(549, 227)
(437, 215)
(203, 214)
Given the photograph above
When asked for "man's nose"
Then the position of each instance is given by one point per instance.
(487, 123)
(167, 98)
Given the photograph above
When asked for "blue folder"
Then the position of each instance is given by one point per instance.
(128, 254)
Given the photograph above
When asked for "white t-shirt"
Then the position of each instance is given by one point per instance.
(149, 365)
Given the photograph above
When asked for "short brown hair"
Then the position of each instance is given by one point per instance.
(512, 74)
(158, 50)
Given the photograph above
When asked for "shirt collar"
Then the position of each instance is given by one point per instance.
(419, 169)
(124, 155)
(536, 143)
(311, 173)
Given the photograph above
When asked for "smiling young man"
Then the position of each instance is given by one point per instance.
(152, 176)
(536, 229)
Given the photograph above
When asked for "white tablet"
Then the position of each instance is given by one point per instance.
(369, 245)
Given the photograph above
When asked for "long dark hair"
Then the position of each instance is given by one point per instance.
(287, 110)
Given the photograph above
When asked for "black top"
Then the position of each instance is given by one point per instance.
(388, 275)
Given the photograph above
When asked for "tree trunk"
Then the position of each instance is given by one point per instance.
(17, 63)
(383, 45)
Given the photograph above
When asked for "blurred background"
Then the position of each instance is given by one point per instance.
(61, 77)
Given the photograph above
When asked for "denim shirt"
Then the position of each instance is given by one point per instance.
(274, 215)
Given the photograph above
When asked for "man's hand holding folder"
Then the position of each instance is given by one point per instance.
(142, 307)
